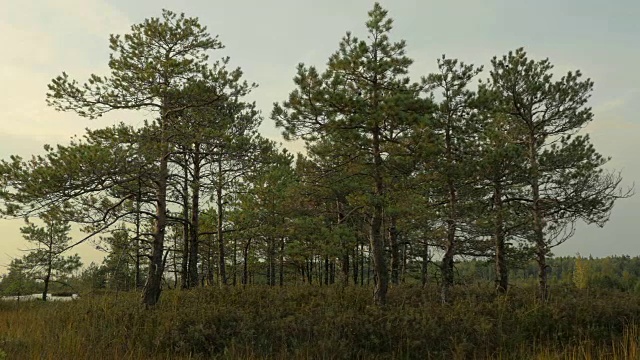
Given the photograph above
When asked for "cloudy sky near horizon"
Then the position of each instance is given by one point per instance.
(267, 39)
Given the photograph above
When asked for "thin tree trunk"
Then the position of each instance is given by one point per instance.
(355, 265)
(221, 251)
(245, 268)
(447, 260)
(195, 219)
(137, 240)
(362, 259)
(175, 265)
(369, 261)
(326, 270)
(235, 260)
(320, 268)
(345, 266)
(47, 277)
(395, 251)
(502, 276)
(345, 249)
(404, 263)
(185, 283)
(425, 264)
(211, 261)
(281, 262)
(332, 279)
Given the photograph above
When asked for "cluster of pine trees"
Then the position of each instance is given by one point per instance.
(396, 171)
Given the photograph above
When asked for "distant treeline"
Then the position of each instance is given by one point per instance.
(613, 272)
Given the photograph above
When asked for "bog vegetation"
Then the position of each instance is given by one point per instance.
(437, 195)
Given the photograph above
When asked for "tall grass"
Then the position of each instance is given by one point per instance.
(328, 323)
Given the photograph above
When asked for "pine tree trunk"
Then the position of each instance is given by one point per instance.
(502, 275)
(245, 267)
(174, 262)
(153, 287)
(355, 265)
(345, 250)
(447, 261)
(395, 252)
(195, 219)
(47, 277)
(538, 229)
(271, 279)
(425, 265)
(450, 252)
(281, 262)
(362, 259)
(235, 260)
(326, 270)
(137, 240)
(185, 283)
(221, 251)
(333, 273)
(403, 270)
(375, 231)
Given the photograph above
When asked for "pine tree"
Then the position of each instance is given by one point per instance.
(366, 98)
(159, 66)
(46, 261)
(566, 181)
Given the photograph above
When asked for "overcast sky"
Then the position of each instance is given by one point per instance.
(267, 39)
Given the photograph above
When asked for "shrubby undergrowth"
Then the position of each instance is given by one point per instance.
(328, 322)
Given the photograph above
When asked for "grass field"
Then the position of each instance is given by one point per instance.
(325, 323)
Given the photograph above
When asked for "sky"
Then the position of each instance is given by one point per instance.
(42, 38)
